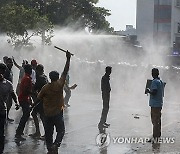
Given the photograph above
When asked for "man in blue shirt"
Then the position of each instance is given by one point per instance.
(156, 102)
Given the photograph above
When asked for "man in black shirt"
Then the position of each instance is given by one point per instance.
(105, 88)
(41, 80)
(8, 75)
(6, 89)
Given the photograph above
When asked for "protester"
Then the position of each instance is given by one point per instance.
(9, 76)
(21, 72)
(33, 75)
(6, 89)
(106, 89)
(25, 100)
(156, 92)
(41, 80)
(67, 90)
(5, 59)
(53, 104)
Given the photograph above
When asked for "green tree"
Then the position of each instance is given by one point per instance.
(21, 24)
(79, 13)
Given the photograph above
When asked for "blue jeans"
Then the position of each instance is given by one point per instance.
(50, 122)
(2, 123)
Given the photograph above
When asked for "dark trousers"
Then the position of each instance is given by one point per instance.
(105, 110)
(26, 113)
(9, 104)
(58, 122)
(38, 109)
(2, 124)
(156, 121)
(67, 96)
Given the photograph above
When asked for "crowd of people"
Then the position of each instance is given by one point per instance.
(35, 95)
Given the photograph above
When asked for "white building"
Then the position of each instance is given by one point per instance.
(130, 30)
(158, 22)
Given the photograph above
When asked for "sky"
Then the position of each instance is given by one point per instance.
(123, 12)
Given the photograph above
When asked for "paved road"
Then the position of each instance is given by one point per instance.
(129, 117)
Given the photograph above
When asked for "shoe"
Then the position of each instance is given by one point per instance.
(106, 124)
(19, 137)
(50, 152)
(10, 120)
(102, 126)
(35, 135)
(55, 148)
(42, 137)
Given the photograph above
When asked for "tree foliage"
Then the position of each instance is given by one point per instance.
(77, 13)
(22, 23)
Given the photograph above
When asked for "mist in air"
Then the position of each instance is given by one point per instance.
(131, 66)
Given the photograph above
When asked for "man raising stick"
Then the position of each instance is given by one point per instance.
(53, 103)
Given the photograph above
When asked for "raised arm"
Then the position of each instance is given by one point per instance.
(66, 68)
(18, 66)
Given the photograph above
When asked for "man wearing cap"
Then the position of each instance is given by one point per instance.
(53, 104)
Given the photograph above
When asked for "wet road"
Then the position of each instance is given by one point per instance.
(129, 117)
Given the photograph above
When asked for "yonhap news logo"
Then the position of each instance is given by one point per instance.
(103, 140)
(137, 140)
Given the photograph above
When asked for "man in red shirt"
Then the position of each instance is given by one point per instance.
(24, 100)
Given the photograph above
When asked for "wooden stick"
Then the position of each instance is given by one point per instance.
(62, 50)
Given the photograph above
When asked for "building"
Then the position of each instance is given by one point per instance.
(158, 23)
(129, 34)
(130, 30)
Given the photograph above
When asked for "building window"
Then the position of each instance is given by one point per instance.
(163, 2)
(162, 27)
(162, 14)
(178, 3)
(178, 27)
